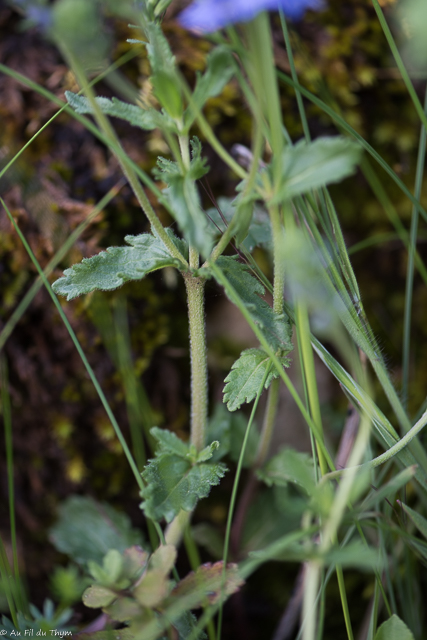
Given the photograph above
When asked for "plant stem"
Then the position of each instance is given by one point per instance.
(199, 372)
(125, 164)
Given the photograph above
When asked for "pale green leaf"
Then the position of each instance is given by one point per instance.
(87, 530)
(147, 119)
(206, 584)
(246, 376)
(310, 165)
(153, 588)
(354, 554)
(207, 453)
(163, 558)
(289, 466)
(275, 327)
(110, 269)
(97, 596)
(123, 609)
(394, 629)
(174, 483)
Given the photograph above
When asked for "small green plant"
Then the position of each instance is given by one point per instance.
(328, 510)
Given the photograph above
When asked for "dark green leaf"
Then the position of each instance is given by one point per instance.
(112, 268)
(229, 430)
(289, 466)
(87, 530)
(394, 629)
(185, 625)
(174, 483)
(276, 327)
(389, 490)
(219, 71)
(259, 232)
(312, 165)
(147, 119)
(246, 376)
(419, 521)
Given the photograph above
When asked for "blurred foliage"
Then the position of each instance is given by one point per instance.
(62, 439)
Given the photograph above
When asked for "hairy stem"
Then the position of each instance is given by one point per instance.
(199, 372)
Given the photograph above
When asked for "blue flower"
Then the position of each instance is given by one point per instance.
(210, 15)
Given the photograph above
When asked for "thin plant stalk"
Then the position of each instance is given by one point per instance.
(7, 422)
(411, 258)
(230, 513)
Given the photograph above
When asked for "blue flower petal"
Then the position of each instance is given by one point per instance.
(211, 15)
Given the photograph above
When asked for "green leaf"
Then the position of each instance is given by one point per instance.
(419, 521)
(110, 269)
(153, 589)
(219, 71)
(97, 596)
(163, 559)
(185, 626)
(246, 376)
(168, 442)
(394, 629)
(134, 562)
(123, 609)
(389, 490)
(165, 80)
(183, 198)
(206, 584)
(312, 165)
(174, 483)
(229, 430)
(87, 530)
(354, 554)
(259, 232)
(289, 466)
(159, 52)
(147, 119)
(207, 453)
(276, 327)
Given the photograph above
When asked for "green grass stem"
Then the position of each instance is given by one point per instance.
(411, 259)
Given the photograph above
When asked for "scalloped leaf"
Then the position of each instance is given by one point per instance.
(310, 165)
(246, 375)
(110, 269)
(275, 327)
(147, 119)
(289, 466)
(175, 479)
(175, 484)
(87, 530)
(394, 629)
